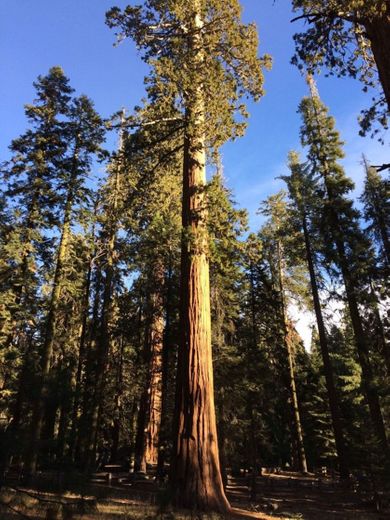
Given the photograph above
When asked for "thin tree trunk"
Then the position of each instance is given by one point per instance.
(51, 324)
(102, 352)
(104, 335)
(63, 426)
(80, 363)
(338, 238)
(334, 403)
(164, 435)
(89, 378)
(296, 419)
(116, 430)
(140, 437)
(222, 439)
(155, 369)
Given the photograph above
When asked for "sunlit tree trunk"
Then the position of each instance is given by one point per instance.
(149, 416)
(155, 376)
(298, 447)
(196, 480)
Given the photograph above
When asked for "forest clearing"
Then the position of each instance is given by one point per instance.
(111, 496)
(164, 352)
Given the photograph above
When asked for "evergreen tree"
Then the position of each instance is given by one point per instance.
(343, 241)
(376, 200)
(302, 192)
(83, 134)
(31, 179)
(204, 62)
(275, 207)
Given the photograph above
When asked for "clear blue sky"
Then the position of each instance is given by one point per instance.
(37, 34)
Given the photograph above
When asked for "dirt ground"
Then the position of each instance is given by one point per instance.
(289, 495)
(277, 496)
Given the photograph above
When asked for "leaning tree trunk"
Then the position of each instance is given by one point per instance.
(334, 403)
(378, 32)
(196, 481)
(295, 414)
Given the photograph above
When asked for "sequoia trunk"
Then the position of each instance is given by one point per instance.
(196, 477)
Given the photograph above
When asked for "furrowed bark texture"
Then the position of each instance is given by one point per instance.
(155, 377)
(196, 477)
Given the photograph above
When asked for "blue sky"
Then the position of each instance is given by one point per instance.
(37, 34)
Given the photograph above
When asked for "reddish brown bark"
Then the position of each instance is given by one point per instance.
(196, 481)
(155, 385)
(196, 476)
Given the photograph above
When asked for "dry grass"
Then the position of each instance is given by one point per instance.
(29, 504)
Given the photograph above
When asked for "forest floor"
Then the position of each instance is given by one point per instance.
(278, 496)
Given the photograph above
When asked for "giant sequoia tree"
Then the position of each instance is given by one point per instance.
(204, 59)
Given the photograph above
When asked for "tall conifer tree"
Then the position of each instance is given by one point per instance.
(205, 59)
(344, 243)
(302, 193)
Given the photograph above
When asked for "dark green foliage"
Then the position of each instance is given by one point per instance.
(348, 38)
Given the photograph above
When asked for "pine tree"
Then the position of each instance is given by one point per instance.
(376, 200)
(344, 243)
(275, 208)
(83, 134)
(31, 178)
(302, 192)
(205, 62)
